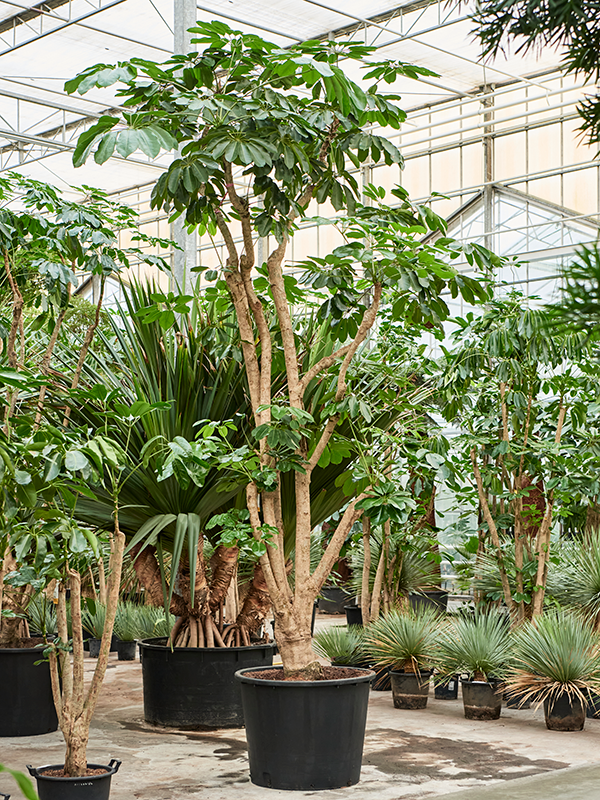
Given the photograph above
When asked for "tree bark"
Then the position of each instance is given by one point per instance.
(365, 592)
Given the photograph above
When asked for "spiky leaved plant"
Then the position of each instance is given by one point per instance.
(342, 644)
(575, 580)
(478, 645)
(558, 654)
(406, 641)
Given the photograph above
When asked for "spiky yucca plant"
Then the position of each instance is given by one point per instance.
(558, 654)
(478, 645)
(575, 580)
(342, 645)
(406, 641)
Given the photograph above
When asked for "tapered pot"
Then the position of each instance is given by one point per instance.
(437, 599)
(517, 701)
(480, 700)
(194, 688)
(564, 713)
(382, 681)
(410, 689)
(305, 735)
(26, 704)
(353, 615)
(88, 787)
(333, 599)
(126, 650)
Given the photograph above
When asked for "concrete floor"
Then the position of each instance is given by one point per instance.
(433, 753)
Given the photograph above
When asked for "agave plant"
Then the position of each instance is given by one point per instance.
(558, 654)
(406, 641)
(477, 644)
(342, 645)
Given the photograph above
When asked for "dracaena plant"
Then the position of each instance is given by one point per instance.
(262, 132)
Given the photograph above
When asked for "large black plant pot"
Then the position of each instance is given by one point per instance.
(26, 705)
(481, 700)
(353, 615)
(194, 688)
(564, 713)
(435, 599)
(89, 787)
(305, 735)
(333, 599)
(410, 689)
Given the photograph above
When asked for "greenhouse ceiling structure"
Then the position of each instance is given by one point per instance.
(492, 145)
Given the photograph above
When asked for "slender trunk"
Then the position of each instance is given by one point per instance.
(378, 583)
(365, 593)
(101, 581)
(45, 363)
(87, 343)
(493, 534)
(543, 537)
(15, 326)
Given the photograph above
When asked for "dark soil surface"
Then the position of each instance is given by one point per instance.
(329, 674)
(60, 773)
(24, 644)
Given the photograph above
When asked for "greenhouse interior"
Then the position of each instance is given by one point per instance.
(300, 399)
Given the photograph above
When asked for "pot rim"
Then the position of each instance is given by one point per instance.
(111, 768)
(39, 648)
(151, 644)
(425, 672)
(242, 678)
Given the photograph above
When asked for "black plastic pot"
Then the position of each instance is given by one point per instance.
(434, 599)
(126, 650)
(89, 787)
(564, 713)
(481, 700)
(382, 681)
(353, 615)
(4, 796)
(333, 599)
(25, 693)
(305, 735)
(516, 701)
(410, 689)
(447, 690)
(94, 645)
(193, 688)
(593, 708)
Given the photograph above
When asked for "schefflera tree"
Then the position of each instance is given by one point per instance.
(262, 132)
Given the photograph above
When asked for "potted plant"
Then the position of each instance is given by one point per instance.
(127, 629)
(479, 646)
(406, 641)
(342, 645)
(291, 152)
(189, 682)
(556, 662)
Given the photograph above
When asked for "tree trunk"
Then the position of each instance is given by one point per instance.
(257, 603)
(365, 592)
(76, 741)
